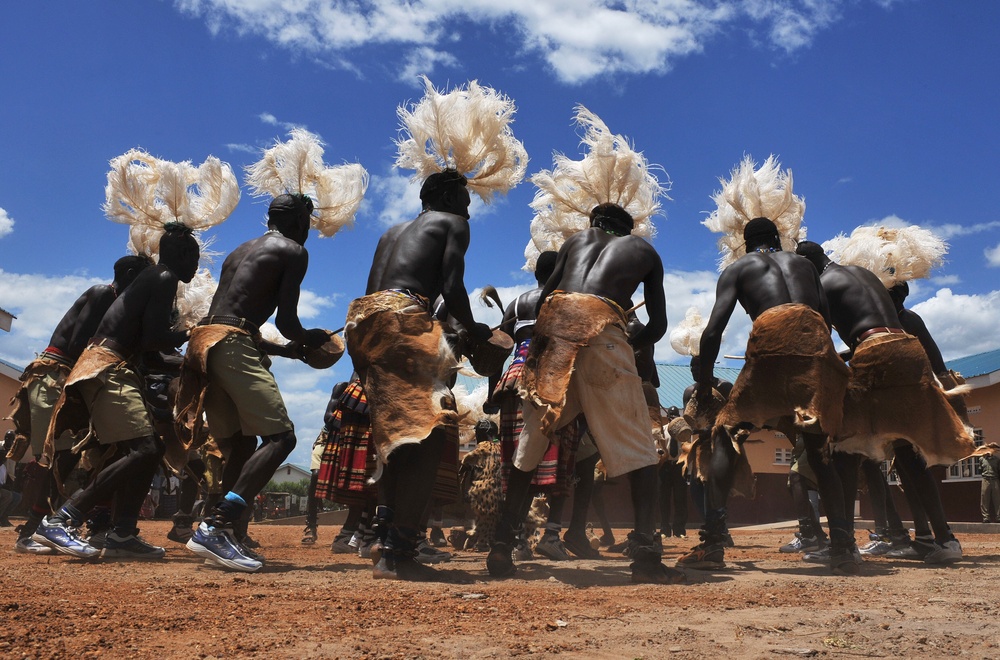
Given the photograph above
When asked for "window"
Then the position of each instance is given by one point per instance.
(968, 468)
(782, 456)
(891, 477)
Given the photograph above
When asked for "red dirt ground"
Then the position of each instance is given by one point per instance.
(310, 603)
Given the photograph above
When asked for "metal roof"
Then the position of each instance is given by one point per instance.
(976, 365)
(675, 378)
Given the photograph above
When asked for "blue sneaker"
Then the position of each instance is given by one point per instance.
(218, 545)
(60, 536)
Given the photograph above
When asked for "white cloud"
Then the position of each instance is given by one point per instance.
(6, 223)
(579, 39)
(945, 232)
(422, 61)
(993, 256)
(38, 302)
(271, 120)
(962, 324)
(245, 148)
(311, 304)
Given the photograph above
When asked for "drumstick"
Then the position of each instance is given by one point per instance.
(637, 306)
(735, 357)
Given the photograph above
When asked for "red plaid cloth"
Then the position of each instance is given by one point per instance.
(555, 471)
(348, 459)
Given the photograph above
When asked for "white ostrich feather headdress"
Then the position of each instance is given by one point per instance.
(467, 130)
(686, 337)
(150, 193)
(611, 171)
(895, 254)
(752, 192)
(296, 167)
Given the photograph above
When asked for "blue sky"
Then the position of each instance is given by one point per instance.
(886, 111)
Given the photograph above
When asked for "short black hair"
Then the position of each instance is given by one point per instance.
(545, 264)
(177, 242)
(437, 185)
(289, 209)
(809, 249)
(135, 262)
(761, 231)
(612, 218)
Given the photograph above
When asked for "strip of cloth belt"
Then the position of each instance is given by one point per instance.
(234, 321)
(876, 331)
(111, 345)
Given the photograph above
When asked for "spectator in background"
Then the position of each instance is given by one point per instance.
(989, 464)
(9, 498)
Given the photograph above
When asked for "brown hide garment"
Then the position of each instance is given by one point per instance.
(792, 370)
(70, 412)
(893, 395)
(189, 420)
(20, 412)
(566, 322)
(701, 415)
(404, 362)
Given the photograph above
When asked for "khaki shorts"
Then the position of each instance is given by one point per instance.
(317, 453)
(42, 396)
(242, 396)
(117, 410)
(606, 388)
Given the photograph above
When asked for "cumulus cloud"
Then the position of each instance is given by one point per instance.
(398, 198)
(993, 256)
(685, 289)
(6, 223)
(311, 303)
(962, 324)
(39, 302)
(578, 40)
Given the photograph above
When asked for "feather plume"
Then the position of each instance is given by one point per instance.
(611, 171)
(467, 129)
(753, 192)
(686, 337)
(894, 254)
(470, 409)
(269, 332)
(194, 299)
(144, 240)
(148, 191)
(296, 166)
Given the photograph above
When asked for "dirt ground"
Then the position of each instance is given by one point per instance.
(310, 603)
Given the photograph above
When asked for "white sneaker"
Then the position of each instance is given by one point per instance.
(28, 546)
(875, 548)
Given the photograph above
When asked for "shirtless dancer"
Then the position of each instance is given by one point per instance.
(242, 400)
(43, 382)
(596, 273)
(106, 385)
(414, 263)
(863, 312)
(781, 292)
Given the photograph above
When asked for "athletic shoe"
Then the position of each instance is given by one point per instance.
(219, 544)
(618, 547)
(98, 539)
(355, 540)
(131, 546)
(28, 546)
(821, 556)
(428, 554)
(581, 547)
(180, 533)
(309, 535)
(551, 547)
(704, 556)
(913, 550)
(846, 562)
(947, 553)
(342, 543)
(799, 544)
(61, 537)
(875, 548)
